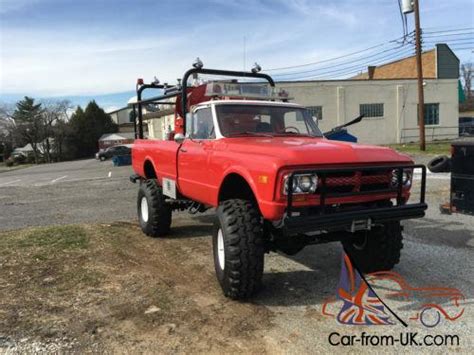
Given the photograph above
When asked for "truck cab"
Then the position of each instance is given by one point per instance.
(275, 182)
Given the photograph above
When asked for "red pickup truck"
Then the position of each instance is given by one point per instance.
(276, 182)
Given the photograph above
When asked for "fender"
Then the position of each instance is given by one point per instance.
(150, 159)
(245, 175)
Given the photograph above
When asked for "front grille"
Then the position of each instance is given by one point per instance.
(381, 182)
(355, 181)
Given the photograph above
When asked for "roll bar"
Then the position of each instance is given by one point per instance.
(181, 90)
(192, 71)
(140, 89)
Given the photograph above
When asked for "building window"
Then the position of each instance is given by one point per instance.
(371, 110)
(316, 111)
(431, 114)
(131, 116)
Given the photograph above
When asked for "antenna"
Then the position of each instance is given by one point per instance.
(245, 52)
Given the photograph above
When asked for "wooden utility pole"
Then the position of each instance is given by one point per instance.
(419, 69)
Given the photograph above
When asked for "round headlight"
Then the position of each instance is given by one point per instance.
(406, 178)
(302, 184)
(305, 183)
(308, 183)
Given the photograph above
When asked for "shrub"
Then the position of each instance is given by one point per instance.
(30, 159)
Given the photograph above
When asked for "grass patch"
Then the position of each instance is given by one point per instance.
(4, 168)
(431, 148)
(57, 238)
(52, 261)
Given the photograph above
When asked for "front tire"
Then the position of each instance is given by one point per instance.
(154, 214)
(238, 248)
(377, 249)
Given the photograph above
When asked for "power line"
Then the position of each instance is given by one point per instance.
(451, 44)
(464, 49)
(346, 66)
(452, 39)
(404, 21)
(448, 34)
(335, 58)
(343, 63)
(448, 31)
(354, 68)
(334, 68)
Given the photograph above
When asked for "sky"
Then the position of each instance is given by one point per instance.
(98, 48)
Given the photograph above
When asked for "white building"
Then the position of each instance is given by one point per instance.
(390, 107)
(123, 118)
(388, 95)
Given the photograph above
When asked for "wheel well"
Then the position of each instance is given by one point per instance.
(235, 186)
(149, 170)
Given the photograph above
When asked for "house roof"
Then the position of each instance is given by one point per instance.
(116, 136)
(118, 110)
(404, 68)
(158, 114)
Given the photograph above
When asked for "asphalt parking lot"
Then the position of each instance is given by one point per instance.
(64, 193)
(438, 250)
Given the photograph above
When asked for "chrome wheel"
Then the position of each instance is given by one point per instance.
(144, 209)
(220, 249)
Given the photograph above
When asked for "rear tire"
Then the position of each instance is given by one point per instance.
(377, 249)
(238, 248)
(154, 214)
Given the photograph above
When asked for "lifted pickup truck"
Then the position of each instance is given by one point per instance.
(276, 182)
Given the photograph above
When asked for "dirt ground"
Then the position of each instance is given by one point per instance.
(108, 287)
(88, 280)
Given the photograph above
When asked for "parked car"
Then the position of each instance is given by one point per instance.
(466, 126)
(114, 151)
(276, 182)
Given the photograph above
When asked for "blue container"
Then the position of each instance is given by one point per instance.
(122, 160)
(342, 135)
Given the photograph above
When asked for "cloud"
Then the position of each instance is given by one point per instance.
(15, 5)
(94, 47)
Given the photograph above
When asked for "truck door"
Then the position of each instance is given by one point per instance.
(194, 178)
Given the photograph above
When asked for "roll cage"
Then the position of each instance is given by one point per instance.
(180, 90)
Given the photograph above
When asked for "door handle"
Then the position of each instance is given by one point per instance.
(184, 150)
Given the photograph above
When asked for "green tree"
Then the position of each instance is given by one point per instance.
(29, 124)
(86, 127)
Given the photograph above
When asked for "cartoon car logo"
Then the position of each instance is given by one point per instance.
(433, 302)
(361, 306)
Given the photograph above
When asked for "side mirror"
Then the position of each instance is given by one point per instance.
(179, 138)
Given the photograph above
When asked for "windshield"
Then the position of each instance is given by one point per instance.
(237, 120)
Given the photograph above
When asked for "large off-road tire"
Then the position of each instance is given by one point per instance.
(377, 249)
(238, 248)
(154, 214)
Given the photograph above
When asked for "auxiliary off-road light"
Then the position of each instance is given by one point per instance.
(407, 176)
(302, 183)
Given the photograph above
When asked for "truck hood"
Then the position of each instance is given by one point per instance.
(313, 151)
